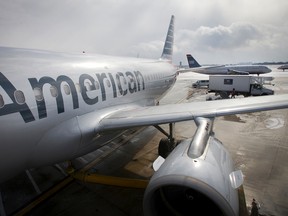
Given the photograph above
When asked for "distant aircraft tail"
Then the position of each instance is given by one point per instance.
(192, 62)
(168, 47)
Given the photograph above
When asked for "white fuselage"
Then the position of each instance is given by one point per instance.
(50, 103)
(224, 69)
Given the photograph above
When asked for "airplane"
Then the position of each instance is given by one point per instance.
(283, 67)
(194, 66)
(58, 106)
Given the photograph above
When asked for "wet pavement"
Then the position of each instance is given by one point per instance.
(258, 143)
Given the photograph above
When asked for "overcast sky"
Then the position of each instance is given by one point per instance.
(213, 31)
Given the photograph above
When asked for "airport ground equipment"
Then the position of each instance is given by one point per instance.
(240, 84)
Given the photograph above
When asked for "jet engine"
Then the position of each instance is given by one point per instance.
(197, 178)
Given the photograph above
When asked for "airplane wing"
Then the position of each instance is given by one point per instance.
(237, 72)
(155, 115)
(201, 69)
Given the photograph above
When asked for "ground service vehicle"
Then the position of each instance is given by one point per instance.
(201, 83)
(246, 85)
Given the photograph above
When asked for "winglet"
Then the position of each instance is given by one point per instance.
(168, 47)
(192, 62)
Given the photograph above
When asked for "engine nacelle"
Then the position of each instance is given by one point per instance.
(194, 186)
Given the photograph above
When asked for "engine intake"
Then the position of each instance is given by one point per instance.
(193, 186)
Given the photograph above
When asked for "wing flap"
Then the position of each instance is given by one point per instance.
(155, 115)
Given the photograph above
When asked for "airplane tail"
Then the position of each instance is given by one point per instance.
(168, 47)
(192, 62)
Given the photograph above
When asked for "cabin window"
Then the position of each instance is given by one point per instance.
(38, 94)
(130, 78)
(78, 88)
(88, 86)
(118, 82)
(67, 89)
(108, 83)
(19, 97)
(1, 101)
(53, 91)
(97, 86)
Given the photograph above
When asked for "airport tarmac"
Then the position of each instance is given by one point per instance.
(258, 143)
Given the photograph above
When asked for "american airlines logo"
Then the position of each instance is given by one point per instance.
(120, 84)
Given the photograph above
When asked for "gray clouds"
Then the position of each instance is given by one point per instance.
(219, 31)
(221, 37)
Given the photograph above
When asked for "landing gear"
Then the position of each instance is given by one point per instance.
(166, 145)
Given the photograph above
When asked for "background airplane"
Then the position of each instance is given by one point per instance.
(57, 106)
(225, 69)
(283, 67)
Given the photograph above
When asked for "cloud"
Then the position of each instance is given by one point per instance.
(147, 50)
(220, 37)
(248, 28)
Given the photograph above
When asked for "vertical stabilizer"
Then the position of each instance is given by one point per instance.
(192, 62)
(168, 47)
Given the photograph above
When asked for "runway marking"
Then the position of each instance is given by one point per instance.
(2, 211)
(69, 179)
(274, 122)
(36, 188)
(46, 195)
